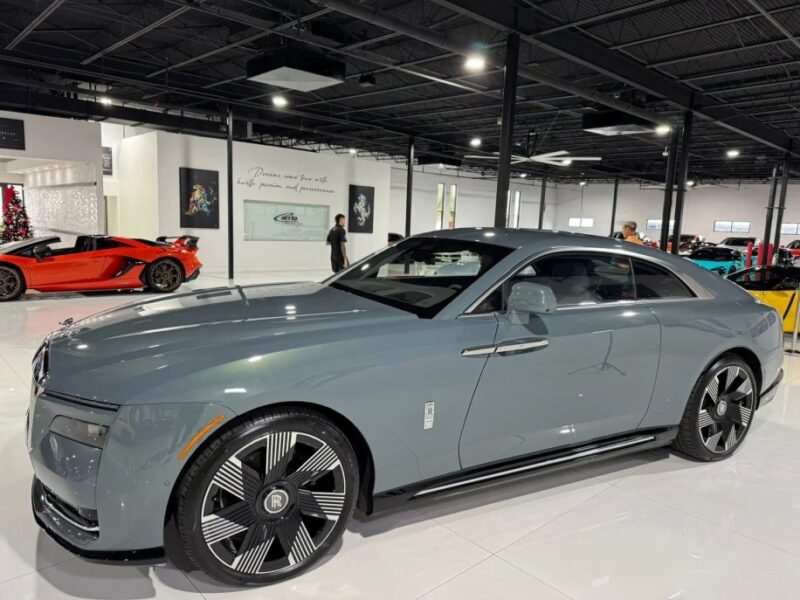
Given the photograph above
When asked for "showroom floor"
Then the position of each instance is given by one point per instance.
(649, 526)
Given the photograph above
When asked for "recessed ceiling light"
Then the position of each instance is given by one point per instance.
(566, 162)
(353, 151)
(523, 175)
(475, 142)
(475, 62)
(663, 129)
(732, 153)
(690, 183)
(666, 151)
(279, 101)
(105, 100)
(584, 182)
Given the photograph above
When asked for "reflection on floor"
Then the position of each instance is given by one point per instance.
(644, 527)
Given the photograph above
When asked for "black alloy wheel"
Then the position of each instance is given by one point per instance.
(12, 285)
(720, 411)
(164, 276)
(270, 500)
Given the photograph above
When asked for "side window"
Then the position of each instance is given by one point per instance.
(581, 278)
(106, 244)
(653, 281)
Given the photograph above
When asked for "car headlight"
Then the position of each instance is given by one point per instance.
(90, 434)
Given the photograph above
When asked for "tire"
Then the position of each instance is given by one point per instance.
(287, 483)
(163, 276)
(12, 283)
(720, 409)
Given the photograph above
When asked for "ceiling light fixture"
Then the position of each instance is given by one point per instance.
(105, 100)
(566, 162)
(663, 129)
(353, 151)
(523, 175)
(584, 182)
(690, 183)
(475, 142)
(475, 62)
(732, 153)
(666, 151)
(279, 101)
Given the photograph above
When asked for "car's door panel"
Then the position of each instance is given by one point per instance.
(588, 373)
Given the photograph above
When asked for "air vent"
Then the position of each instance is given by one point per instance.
(295, 68)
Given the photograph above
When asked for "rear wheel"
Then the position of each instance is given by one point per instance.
(164, 276)
(12, 283)
(719, 411)
(267, 498)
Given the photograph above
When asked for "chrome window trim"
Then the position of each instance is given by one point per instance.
(700, 292)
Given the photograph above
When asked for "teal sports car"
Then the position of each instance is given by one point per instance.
(719, 260)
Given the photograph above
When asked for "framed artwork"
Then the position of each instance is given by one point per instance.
(361, 211)
(199, 198)
(12, 134)
(108, 160)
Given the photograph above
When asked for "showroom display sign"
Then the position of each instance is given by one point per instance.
(12, 134)
(361, 209)
(285, 221)
(107, 158)
(199, 198)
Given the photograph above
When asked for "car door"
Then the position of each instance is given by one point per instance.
(70, 267)
(584, 372)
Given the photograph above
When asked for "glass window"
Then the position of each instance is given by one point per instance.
(771, 278)
(512, 213)
(106, 244)
(789, 228)
(723, 225)
(581, 278)
(653, 281)
(740, 226)
(446, 206)
(581, 222)
(421, 275)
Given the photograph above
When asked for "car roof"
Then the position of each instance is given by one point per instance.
(514, 238)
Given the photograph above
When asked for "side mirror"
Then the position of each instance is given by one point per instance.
(530, 298)
(42, 252)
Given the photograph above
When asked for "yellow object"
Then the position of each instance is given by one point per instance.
(784, 301)
(200, 434)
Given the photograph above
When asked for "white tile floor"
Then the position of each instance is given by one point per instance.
(643, 527)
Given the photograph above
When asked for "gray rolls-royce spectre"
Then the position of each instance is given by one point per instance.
(256, 419)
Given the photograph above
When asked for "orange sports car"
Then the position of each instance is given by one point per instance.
(97, 262)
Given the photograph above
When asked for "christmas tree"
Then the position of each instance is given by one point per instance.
(16, 224)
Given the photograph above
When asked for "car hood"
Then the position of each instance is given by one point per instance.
(110, 355)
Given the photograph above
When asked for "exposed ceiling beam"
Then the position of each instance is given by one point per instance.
(136, 34)
(40, 18)
(585, 51)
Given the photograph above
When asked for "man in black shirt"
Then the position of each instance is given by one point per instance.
(337, 240)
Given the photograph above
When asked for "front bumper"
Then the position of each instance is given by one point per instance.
(110, 503)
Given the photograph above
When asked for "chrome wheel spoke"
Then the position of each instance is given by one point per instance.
(712, 390)
(730, 439)
(326, 505)
(322, 461)
(705, 419)
(238, 479)
(279, 448)
(713, 440)
(227, 522)
(255, 546)
(295, 539)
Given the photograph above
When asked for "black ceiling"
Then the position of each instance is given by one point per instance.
(178, 63)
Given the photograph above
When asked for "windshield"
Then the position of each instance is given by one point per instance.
(770, 278)
(10, 247)
(421, 275)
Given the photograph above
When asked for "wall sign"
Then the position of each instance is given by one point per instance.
(199, 200)
(12, 134)
(361, 211)
(270, 221)
(108, 161)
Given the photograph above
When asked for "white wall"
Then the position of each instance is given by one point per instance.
(475, 205)
(58, 139)
(149, 197)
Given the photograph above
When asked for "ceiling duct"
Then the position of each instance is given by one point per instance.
(296, 68)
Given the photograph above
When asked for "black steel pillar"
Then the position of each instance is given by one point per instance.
(507, 129)
(773, 188)
(230, 192)
(542, 200)
(669, 187)
(683, 174)
(409, 184)
(614, 206)
(782, 202)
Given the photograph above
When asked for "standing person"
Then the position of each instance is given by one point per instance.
(337, 240)
(629, 233)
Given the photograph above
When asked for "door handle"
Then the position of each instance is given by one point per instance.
(509, 347)
(520, 346)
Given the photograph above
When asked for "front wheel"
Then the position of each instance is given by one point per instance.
(719, 411)
(164, 276)
(12, 283)
(267, 498)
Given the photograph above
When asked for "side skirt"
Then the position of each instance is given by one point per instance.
(540, 462)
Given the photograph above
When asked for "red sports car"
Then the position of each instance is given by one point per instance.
(97, 262)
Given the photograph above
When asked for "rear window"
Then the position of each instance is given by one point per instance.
(653, 281)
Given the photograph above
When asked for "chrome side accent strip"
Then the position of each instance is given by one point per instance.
(479, 351)
(52, 507)
(516, 347)
(553, 461)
